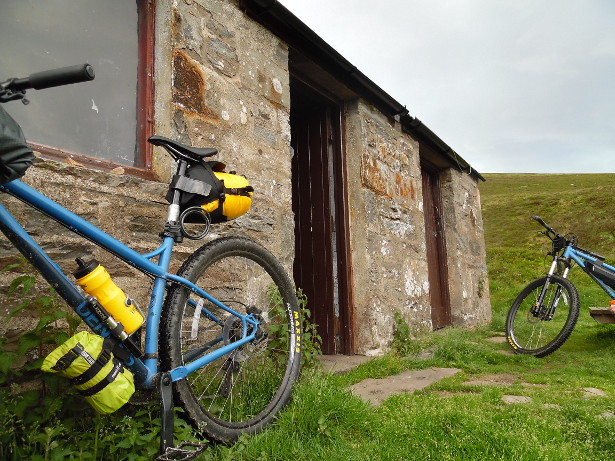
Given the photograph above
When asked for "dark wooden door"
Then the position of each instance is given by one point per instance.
(436, 249)
(320, 253)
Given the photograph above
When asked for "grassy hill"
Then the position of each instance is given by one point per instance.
(579, 204)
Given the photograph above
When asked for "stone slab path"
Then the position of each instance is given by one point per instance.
(375, 391)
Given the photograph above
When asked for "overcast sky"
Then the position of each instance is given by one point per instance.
(513, 86)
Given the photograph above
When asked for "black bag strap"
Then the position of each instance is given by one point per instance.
(199, 181)
(102, 360)
(245, 191)
(67, 359)
(116, 370)
(191, 186)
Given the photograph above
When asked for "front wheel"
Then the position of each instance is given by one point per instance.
(241, 391)
(540, 329)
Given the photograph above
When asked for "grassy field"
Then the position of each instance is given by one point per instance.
(456, 419)
(569, 411)
(581, 205)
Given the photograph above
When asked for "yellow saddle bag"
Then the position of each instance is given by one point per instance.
(225, 196)
(87, 359)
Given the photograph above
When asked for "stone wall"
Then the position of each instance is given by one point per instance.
(386, 228)
(227, 87)
(127, 208)
(465, 246)
(388, 234)
(222, 81)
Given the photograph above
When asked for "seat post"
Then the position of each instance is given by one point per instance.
(174, 208)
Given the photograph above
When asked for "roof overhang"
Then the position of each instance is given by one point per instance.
(279, 20)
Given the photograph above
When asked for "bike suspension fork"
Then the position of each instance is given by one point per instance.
(546, 312)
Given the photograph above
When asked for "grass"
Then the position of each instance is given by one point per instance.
(455, 419)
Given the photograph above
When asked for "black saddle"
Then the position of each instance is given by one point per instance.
(178, 150)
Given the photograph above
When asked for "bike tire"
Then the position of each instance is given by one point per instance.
(533, 333)
(242, 391)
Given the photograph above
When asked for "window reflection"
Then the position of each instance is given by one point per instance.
(97, 118)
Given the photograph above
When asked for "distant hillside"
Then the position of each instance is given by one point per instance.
(581, 204)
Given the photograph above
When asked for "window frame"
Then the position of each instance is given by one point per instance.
(145, 107)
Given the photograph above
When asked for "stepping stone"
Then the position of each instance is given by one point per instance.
(375, 391)
(494, 379)
(541, 386)
(593, 392)
(340, 364)
(507, 352)
(511, 399)
(497, 339)
(426, 354)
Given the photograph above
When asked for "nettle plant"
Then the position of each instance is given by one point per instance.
(311, 342)
(42, 417)
(48, 323)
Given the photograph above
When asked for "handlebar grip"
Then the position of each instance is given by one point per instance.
(540, 221)
(62, 76)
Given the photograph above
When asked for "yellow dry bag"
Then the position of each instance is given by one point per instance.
(224, 196)
(87, 359)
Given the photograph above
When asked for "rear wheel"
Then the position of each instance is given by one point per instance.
(541, 329)
(241, 391)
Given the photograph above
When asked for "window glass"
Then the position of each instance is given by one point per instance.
(95, 118)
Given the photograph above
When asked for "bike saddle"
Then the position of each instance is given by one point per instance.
(175, 148)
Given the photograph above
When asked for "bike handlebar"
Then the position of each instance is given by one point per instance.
(54, 77)
(541, 222)
(565, 241)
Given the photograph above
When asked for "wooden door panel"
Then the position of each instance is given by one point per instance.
(436, 250)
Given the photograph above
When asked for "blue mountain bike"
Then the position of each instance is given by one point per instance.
(229, 355)
(546, 311)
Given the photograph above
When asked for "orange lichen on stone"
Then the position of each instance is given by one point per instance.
(404, 188)
(189, 87)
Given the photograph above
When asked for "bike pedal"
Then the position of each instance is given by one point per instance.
(179, 453)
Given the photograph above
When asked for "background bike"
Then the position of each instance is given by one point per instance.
(545, 312)
(229, 355)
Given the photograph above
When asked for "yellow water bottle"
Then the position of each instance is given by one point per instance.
(96, 281)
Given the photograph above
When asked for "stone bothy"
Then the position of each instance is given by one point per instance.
(373, 214)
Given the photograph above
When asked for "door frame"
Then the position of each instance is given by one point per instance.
(337, 138)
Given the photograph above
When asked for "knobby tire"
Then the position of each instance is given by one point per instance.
(242, 391)
(529, 330)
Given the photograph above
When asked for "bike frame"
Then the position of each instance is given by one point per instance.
(146, 368)
(573, 254)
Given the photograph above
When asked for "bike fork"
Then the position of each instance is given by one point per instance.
(538, 310)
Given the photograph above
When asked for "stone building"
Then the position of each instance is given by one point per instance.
(368, 208)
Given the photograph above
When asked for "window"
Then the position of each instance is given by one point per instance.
(107, 118)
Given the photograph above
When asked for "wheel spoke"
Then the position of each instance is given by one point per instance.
(240, 391)
(541, 328)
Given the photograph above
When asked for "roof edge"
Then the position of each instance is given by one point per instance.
(277, 18)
